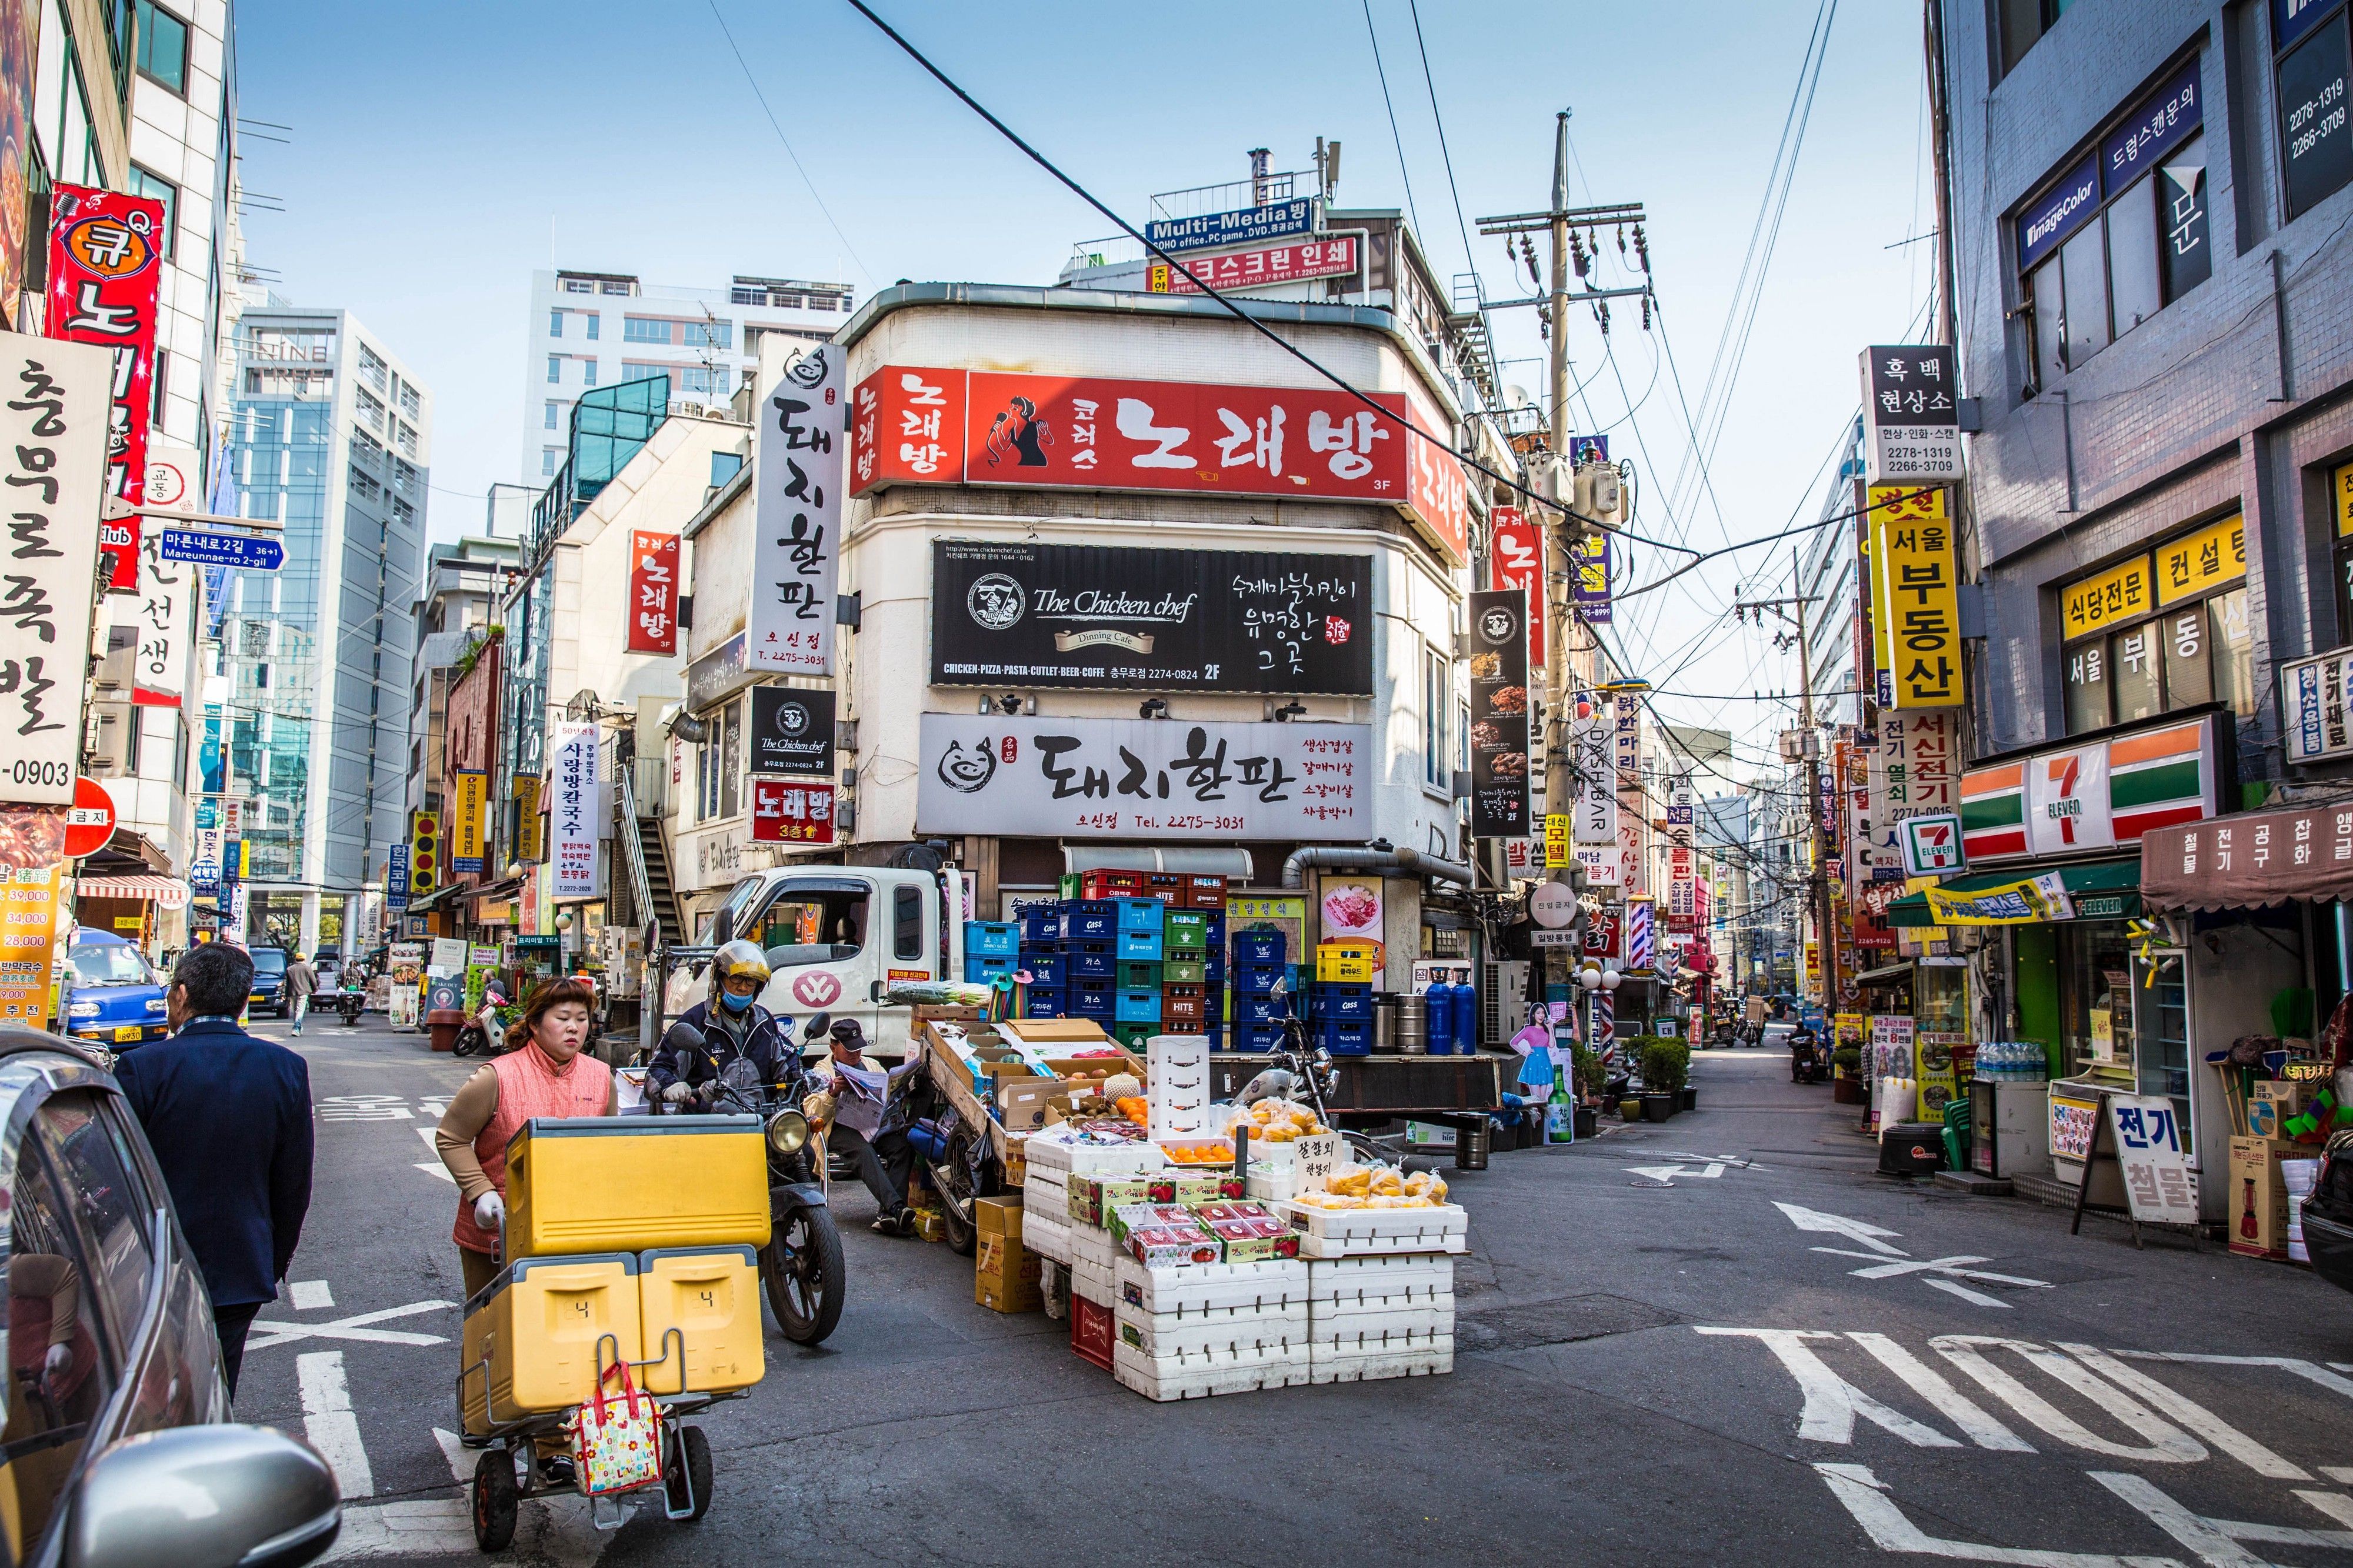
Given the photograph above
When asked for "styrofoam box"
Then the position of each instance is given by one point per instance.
(1275, 1284)
(1346, 1233)
(1434, 1362)
(1047, 1237)
(1270, 1184)
(1233, 1331)
(1196, 1376)
(1380, 1282)
(1363, 1332)
(1183, 1052)
(1092, 1282)
(1046, 1151)
(1089, 1243)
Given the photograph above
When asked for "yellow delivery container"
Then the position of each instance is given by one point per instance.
(624, 1184)
(538, 1325)
(711, 1296)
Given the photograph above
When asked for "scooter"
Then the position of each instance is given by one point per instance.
(1809, 1062)
(351, 1001)
(483, 1035)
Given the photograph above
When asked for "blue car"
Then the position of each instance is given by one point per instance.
(269, 981)
(117, 1000)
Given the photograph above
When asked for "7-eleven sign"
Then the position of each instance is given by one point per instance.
(1932, 845)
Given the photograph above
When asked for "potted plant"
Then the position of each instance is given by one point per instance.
(1590, 1078)
(1666, 1064)
(1847, 1088)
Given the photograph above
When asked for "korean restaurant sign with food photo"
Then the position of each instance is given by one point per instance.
(913, 425)
(1498, 713)
(105, 267)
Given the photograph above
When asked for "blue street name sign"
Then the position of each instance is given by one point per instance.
(237, 550)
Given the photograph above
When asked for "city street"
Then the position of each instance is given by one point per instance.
(1723, 1339)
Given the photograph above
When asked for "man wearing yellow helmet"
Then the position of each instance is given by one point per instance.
(731, 1023)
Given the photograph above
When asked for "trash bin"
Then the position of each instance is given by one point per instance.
(441, 1025)
(1472, 1138)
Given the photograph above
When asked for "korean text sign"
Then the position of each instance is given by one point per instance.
(1332, 257)
(791, 811)
(796, 558)
(921, 426)
(466, 833)
(1109, 777)
(1516, 561)
(2157, 1182)
(574, 809)
(1911, 397)
(28, 923)
(53, 415)
(1498, 713)
(166, 588)
(653, 592)
(1912, 556)
(105, 264)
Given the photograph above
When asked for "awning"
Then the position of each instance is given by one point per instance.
(2248, 861)
(159, 891)
(2100, 890)
(1200, 860)
(1886, 974)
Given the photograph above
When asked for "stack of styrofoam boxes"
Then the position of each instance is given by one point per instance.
(1258, 966)
(1135, 1012)
(1177, 1085)
(1048, 1228)
(1089, 929)
(1047, 995)
(1198, 1329)
(1380, 1289)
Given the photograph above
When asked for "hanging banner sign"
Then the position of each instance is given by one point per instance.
(166, 592)
(1515, 560)
(1916, 595)
(1205, 620)
(531, 826)
(1121, 777)
(1498, 713)
(923, 425)
(105, 264)
(1558, 850)
(472, 791)
(2029, 901)
(1593, 779)
(1911, 396)
(575, 809)
(1332, 257)
(653, 592)
(395, 877)
(797, 513)
(792, 732)
(53, 415)
(789, 811)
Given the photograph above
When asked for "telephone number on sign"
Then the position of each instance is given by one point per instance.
(41, 774)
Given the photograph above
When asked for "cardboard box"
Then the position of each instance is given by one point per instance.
(1022, 1102)
(2271, 1104)
(1094, 1331)
(2257, 1211)
(1004, 1274)
(998, 1217)
(1094, 1198)
(1084, 1034)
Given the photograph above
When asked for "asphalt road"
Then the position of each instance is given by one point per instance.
(1721, 1340)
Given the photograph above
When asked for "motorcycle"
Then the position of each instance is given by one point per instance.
(351, 1001)
(1809, 1062)
(801, 1268)
(484, 1035)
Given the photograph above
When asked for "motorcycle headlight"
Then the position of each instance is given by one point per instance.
(787, 1131)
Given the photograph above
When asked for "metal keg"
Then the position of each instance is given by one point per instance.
(1385, 1021)
(1412, 1031)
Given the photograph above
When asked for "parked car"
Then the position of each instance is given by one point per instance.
(121, 1398)
(2328, 1213)
(117, 999)
(269, 981)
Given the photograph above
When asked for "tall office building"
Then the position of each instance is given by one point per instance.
(594, 329)
(330, 435)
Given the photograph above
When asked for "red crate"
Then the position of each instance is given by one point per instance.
(1110, 885)
(1168, 887)
(1204, 892)
(1092, 1331)
(1185, 1010)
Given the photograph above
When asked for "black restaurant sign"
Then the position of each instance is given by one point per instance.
(1020, 615)
(792, 731)
(1498, 713)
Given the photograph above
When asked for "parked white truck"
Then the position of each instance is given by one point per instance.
(838, 938)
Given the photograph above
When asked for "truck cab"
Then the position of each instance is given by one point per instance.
(838, 938)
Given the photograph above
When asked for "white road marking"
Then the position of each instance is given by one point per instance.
(434, 1167)
(310, 1295)
(330, 1425)
(2162, 1442)
(353, 1328)
(1955, 1287)
(2216, 1431)
(2302, 1369)
(1955, 1267)
(2339, 1473)
(461, 1458)
(1871, 1235)
(2211, 1545)
(1951, 1404)
(2335, 1505)
(1862, 1492)
(1666, 1174)
(1832, 1403)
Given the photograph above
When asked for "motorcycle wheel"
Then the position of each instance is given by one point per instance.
(468, 1041)
(801, 1272)
(952, 1178)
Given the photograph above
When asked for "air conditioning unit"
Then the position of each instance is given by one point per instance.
(1503, 1000)
(689, 409)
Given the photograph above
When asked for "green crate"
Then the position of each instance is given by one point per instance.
(1183, 971)
(1134, 1036)
(1135, 975)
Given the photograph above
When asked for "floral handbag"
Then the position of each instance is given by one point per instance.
(617, 1444)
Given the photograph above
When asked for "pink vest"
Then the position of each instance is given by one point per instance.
(529, 1085)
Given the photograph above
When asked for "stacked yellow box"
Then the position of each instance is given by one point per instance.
(623, 1183)
(533, 1338)
(711, 1298)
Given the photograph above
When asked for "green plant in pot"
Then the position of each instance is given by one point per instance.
(1666, 1064)
(1848, 1060)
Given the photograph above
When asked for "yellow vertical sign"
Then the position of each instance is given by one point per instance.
(1558, 853)
(1916, 594)
(28, 927)
(472, 792)
(2341, 483)
(528, 838)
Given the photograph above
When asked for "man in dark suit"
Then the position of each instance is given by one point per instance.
(229, 1118)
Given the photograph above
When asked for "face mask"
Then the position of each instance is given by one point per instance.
(733, 1003)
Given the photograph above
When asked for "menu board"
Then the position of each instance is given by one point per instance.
(1498, 713)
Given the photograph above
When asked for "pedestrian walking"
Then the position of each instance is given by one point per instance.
(301, 985)
(229, 1116)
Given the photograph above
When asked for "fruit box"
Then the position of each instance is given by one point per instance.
(1154, 1246)
(1249, 1240)
(1128, 1218)
(1095, 1199)
(1190, 1188)
(1344, 1233)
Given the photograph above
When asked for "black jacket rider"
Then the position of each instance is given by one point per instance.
(767, 1042)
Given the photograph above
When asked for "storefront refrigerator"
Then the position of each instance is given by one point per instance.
(2009, 1128)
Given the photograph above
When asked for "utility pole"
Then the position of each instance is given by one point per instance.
(1792, 610)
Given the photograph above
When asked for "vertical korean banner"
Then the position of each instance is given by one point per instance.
(1498, 713)
(574, 809)
(1516, 559)
(1627, 709)
(52, 462)
(466, 831)
(797, 557)
(653, 592)
(1590, 578)
(166, 588)
(105, 265)
(1917, 579)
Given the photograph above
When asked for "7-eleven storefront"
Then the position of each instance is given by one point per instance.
(2052, 887)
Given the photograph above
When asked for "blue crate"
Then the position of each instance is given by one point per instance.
(1044, 1002)
(1353, 1039)
(1141, 914)
(1091, 961)
(1090, 920)
(980, 970)
(1217, 927)
(1341, 1004)
(1255, 1038)
(991, 939)
(1255, 946)
(1260, 1007)
(1046, 968)
(1042, 923)
(1089, 999)
(1255, 979)
(1134, 1007)
(1140, 946)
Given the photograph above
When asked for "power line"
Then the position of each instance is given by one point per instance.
(1394, 136)
(788, 145)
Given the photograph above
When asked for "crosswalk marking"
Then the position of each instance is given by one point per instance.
(1831, 1403)
(328, 1422)
(1864, 1495)
(279, 1330)
(1932, 1386)
(2216, 1431)
(434, 1167)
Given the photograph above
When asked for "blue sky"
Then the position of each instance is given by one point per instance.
(442, 151)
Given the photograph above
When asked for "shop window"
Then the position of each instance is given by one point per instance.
(1436, 700)
(2023, 22)
(2120, 663)
(2316, 144)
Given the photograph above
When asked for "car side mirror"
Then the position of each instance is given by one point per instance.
(204, 1497)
